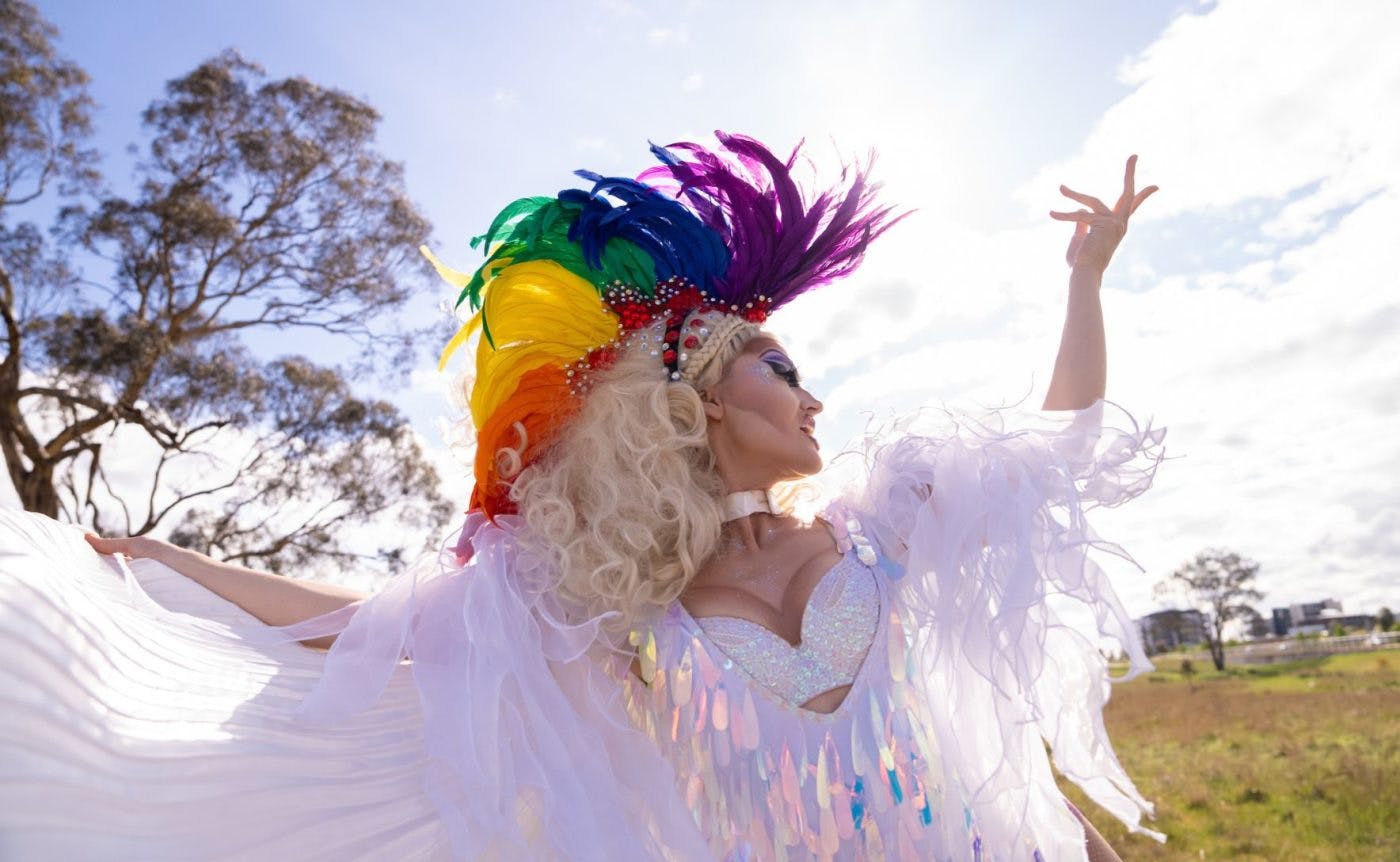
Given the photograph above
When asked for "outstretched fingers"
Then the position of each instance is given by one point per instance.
(1125, 200)
(1141, 196)
(1089, 201)
(1088, 219)
(107, 546)
(1077, 215)
(1098, 229)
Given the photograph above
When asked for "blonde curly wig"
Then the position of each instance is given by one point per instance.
(626, 503)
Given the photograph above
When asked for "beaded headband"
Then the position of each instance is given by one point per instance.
(674, 262)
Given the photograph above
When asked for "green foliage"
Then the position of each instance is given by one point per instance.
(262, 209)
(1386, 619)
(45, 112)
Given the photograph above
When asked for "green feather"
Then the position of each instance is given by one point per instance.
(537, 228)
(514, 212)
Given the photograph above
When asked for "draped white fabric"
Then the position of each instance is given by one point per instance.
(129, 730)
(460, 716)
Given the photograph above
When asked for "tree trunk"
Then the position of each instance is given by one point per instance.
(1217, 654)
(37, 493)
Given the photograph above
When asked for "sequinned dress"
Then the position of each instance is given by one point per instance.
(464, 714)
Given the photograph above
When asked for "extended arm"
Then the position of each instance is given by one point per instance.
(1081, 366)
(275, 600)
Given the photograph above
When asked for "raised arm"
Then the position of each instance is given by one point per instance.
(275, 600)
(1081, 366)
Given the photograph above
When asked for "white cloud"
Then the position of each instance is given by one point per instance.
(1278, 376)
(692, 83)
(1253, 310)
(660, 37)
(1253, 99)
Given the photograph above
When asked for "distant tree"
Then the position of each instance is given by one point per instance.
(262, 212)
(1221, 584)
(1386, 618)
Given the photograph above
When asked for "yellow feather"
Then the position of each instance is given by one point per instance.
(449, 275)
(458, 340)
(538, 313)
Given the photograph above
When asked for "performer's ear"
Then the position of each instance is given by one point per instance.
(714, 410)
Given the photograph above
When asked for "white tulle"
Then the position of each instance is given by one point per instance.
(461, 715)
(990, 526)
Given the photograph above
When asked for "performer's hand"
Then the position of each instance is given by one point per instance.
(134, 546)
(1098, 230)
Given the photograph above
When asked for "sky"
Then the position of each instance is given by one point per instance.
(1252, 310)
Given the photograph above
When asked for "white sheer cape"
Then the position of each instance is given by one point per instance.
(141, 716)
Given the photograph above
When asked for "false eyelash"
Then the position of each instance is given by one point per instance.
(788, 374)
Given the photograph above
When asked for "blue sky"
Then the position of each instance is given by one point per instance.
(1249, 309)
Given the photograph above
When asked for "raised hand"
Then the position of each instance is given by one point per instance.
(1098, 229)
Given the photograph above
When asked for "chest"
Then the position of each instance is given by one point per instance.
(773, 588)
(767, 779)
(838, 626)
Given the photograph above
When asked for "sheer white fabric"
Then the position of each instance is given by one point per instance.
(991, 526)
(459, 714)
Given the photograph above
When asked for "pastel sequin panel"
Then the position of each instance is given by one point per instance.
(838, 627)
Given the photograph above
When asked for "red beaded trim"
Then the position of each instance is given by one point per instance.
(675, 299)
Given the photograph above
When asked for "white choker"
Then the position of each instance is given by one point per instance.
(743, 503)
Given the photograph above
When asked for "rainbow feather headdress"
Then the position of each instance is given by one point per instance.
(567, 277)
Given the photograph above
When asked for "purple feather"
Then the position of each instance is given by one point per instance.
(780, 244)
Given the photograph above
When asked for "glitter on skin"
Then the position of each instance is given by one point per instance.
(776, 364)
(763, 371)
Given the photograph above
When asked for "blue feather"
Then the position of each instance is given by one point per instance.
(677, 241)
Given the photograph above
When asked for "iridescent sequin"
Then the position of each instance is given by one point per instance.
(838, 626)
(766, 779)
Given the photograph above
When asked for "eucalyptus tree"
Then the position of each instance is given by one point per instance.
(179, 390)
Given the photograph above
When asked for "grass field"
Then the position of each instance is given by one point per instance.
(1297, 761)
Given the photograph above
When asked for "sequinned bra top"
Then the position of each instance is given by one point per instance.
(838, 627)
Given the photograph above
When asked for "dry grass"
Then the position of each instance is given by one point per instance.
(1283, 762)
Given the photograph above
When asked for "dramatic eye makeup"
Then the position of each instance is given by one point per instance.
(781, 365)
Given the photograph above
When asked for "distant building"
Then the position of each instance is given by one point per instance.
(1317, 618)
(1258, 626)
(1169, 630)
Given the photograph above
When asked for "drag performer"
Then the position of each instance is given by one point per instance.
(632, 650)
